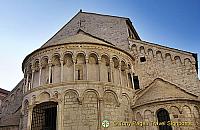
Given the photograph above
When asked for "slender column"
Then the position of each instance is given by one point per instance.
(132, 80)
(30, 110)
(120, 73)
(40, 73)
(74, 62)
(127, 79)
(50, 69)
(99, 61)
(24, 80)
(32, 78)
(86, 64)
(111, 71)
(61, 76)
(27, 84)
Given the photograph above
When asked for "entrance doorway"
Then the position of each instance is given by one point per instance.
(44, 116)
(163, 116)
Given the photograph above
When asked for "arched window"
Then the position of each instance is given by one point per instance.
(163, 118)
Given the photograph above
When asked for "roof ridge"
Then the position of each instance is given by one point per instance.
(104, 15)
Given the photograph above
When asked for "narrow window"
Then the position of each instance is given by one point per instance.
(142, 59)
(136, 82)
(79, 75)
(51, 78)
(163, 118)
(109, 80)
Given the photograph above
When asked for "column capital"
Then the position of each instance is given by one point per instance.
(50, 64)
(86, 59)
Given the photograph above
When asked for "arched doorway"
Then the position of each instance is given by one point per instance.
(163, 116)
(44, 116)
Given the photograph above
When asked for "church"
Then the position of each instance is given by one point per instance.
(96, 73)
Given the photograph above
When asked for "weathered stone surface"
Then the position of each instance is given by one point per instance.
(89, 71)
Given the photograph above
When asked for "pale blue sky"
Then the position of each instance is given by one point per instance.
(27, 24)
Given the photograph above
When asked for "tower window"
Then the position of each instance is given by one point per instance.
(136, 82)
(142, 59)
(109, 80)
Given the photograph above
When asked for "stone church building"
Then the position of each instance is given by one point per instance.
(96, 73)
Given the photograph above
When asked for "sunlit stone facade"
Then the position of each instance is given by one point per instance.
(97, 68)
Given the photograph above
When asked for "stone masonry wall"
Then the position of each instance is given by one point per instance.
(111, 29)
(11, 107)
(175, 66)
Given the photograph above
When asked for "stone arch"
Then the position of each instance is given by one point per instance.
(150, 53)
(127, 97)
(93, 68)
(105, 59)
(115, 60)
(94, 53)
(142, 50)
(45, 70)
(134, 49)
(177, 60)
(148, 117)
(44, 116)
(72, 90)
(80, 58)
(163, 116)
(71, 109)
(89, 109)
(44, 96)
(68, 68)
(114, 96)
(68, 52)
(36, 73)
(159, 56)
(68, 59)
(168, 58)
(175, 112)
(91, 90)
(80, 68)
(116, 78)
(125, 108)
(56, 69)
(186, 111)
(93, 58)
(187, 63)
(105, 74)
(110, 103)
(196, 112)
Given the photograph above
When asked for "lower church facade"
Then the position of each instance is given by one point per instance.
(97, 74)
